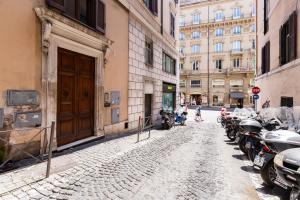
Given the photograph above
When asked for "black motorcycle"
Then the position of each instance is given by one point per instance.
(167, 119)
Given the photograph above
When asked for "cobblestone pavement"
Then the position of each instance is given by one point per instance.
(189, 162)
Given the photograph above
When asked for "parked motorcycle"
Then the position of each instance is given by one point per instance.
(274, 142)
(168, 119)
(180, 118)
(287, 165)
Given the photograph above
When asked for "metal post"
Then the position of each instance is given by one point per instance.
(139, 129)
(50, 149)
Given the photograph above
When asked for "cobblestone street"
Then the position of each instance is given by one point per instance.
(189, 162)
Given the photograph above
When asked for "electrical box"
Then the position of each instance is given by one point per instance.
(115, 115)
(1, 117)
(28, 119)
(115, 97)
(22, 97)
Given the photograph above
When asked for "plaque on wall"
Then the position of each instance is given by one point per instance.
(22, 97)
(28, 119)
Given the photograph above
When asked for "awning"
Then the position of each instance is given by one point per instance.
(237, 95)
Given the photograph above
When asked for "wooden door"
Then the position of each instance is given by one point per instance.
(75, 96)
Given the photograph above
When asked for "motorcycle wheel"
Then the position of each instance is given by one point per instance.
(251, 154)
(295, 194)
(166, 126)
(242, 144)
(231, 135)
(268, 174)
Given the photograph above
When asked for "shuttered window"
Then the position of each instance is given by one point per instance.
(265, 58)
(149, 52)
(266, 15)
(286, 102)
(152, 6)
(172, 25)
(288, 40)
(88, 12)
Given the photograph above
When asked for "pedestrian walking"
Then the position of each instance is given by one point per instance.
(198, 116)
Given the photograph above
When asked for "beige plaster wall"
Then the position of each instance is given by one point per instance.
(116, 69)
(20, 49)
(281, 80)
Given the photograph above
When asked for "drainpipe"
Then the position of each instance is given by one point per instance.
(208, 60)
(162, 17)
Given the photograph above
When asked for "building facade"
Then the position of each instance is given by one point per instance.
(217, 47)
(153, 59)
(278, 51)
(92, 67)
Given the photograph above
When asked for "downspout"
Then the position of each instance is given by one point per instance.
(162, 17)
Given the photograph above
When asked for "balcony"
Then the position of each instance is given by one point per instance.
(236, 51)
(190, 72)
(241, 69)
(224, 19)
(195, 85)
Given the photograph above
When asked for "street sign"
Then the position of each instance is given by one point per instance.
(256, 90)
(256, 96)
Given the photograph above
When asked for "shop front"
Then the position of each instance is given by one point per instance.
(237, 99)
(169, 97)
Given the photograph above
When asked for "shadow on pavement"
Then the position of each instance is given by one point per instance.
(249, 169)
(239, 157)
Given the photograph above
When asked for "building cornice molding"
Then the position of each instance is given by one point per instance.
(280, 69)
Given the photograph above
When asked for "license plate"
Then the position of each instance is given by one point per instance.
(259, 161)
(280, 182)
(248, 145)
(237, 139)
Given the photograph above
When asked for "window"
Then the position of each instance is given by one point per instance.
(152, 6)
(182, 83)
(266, 15)
(252, 28)
(196, 48)
(195, 65)
(236, 62)
(219, 16)
(89, 12)
(253, 44)
(195, 83)
(265, 58)
(195, 35)
(181, 50)
(288, 40)
(217, 83)
(253, 11)
(287, 102)
(236, 83)
(181, 21)
(149, 52)
(219, 64)
(219, 32)
(236, 13)
(172, 25)
(181, 36)
(237, 30)
(169, 64)
(236, 45)
(181, 65)
(196, 18)
(218, 47)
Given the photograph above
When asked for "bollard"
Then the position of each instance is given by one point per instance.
(50, 149)
(139, 129)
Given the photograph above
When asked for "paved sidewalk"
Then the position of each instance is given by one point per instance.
(186, 162)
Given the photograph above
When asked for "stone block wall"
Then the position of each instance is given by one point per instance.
(139, 72)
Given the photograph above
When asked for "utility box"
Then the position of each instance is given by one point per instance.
(22, 97)
(28, 119)
(115, 97)
(115, 115)
(1, 117)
